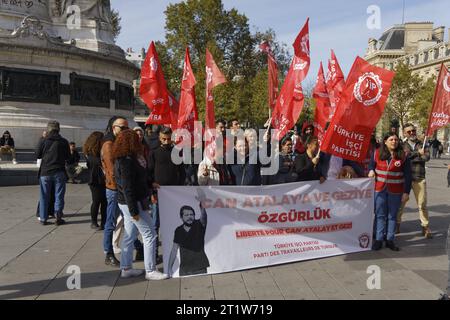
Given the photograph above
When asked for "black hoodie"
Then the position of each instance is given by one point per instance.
(54, 151)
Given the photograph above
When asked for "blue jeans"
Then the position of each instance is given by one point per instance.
(146, 229)
(386, 207)
(112, 212)
(58, 182)
(155, 222)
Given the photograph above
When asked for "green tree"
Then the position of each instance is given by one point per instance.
(115, 23)
(423, 102)
(309, 107)
(402, 97)
(202, 24)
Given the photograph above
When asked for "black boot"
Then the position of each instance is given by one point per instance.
(391, 245)
(59, 219)
(377, 245)
(111, 260)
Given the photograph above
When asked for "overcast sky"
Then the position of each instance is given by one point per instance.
(339, 25)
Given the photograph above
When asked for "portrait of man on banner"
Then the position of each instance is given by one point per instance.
(189, 240)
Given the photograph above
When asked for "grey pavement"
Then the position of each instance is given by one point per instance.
(34, 259)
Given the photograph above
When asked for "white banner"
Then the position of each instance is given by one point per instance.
(246, 227)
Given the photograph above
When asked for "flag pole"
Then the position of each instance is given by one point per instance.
(424, 142)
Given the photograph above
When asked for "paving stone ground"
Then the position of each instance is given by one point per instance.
(34, 259)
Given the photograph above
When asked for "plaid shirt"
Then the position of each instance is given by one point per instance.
(417, 161)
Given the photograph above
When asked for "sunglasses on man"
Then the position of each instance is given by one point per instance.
(122, 127)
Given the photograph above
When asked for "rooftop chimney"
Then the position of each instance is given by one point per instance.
(438, 33)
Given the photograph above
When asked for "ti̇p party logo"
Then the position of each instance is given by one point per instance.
(364, 240)
(368, 89)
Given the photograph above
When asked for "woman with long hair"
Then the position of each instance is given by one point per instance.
(91, 150)
(134, 189)
(392, 172)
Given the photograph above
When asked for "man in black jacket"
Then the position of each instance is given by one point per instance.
(54, 152)
(164, 172)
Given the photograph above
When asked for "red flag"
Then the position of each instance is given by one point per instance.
(301, 51)
(440, 111)
(168, 117)
(335, 81)
(360, 107)
(323, 106)
(213, 78)
(273, 74)
(153, 87)
(265, 47)
(187, 114)
(290, 102)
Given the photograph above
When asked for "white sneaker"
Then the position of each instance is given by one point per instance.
(14, 162)
(130, 273)
(156, 275)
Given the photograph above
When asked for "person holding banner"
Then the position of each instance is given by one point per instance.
(286, 172)
(246, 170)
(418, 155)
(334, 167)
(392, 172)
(189, 238)
(214, 173)
(134, 189)
(307, 164)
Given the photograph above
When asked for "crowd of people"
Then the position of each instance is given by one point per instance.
(127, 166)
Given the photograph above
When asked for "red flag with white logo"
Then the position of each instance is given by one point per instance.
(323, 107)
(335, 81)
(272, 73)
(302, 52)
(290, 102)
(187, 114)
(214, 77)
(153, 88)
(360, 107)
(168, 117)
(440, 110)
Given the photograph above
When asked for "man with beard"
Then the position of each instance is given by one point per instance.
(190, 239)
(419, 156)
(163, 172)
